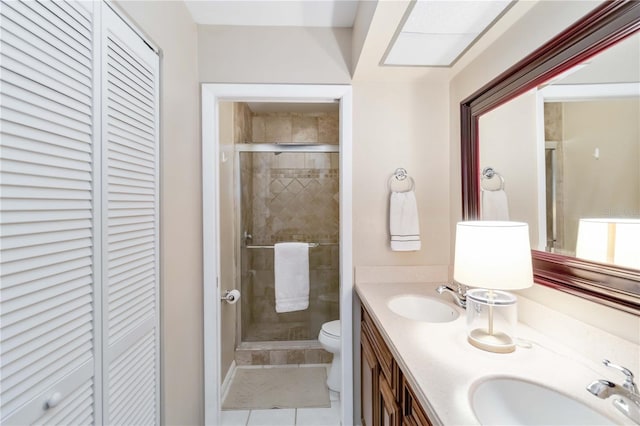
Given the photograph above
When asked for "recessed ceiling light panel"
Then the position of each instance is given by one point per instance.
(412, 48)
(437, 32)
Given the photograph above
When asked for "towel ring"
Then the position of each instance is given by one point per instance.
(401, 175)
(488, 173)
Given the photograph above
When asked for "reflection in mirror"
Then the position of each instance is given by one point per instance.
(566, 159)
(603, 27)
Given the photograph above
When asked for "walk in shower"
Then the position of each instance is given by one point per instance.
(288, 191)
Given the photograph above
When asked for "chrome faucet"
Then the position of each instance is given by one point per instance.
(459, 294)
(627, 398)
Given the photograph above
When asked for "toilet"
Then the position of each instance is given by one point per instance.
(329, 338)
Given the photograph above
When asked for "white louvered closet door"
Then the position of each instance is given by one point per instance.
(48, 309)
(130, 225)
(79, 312)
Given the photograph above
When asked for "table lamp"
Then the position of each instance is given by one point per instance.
(610, 240)
(492, 256)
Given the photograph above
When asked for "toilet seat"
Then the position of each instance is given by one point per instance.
(331, 328)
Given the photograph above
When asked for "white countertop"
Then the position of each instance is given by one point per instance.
(441, 366)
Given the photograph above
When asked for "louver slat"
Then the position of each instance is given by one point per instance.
(133, 375)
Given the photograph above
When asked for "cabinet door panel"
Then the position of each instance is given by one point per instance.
(383, 354)
(393, 401)
(48, 272)
(412, 412)
(130, 227)
(369, 389)
(390, 414)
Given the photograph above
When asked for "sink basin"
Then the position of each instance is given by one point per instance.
(510, 401)
(422, 308)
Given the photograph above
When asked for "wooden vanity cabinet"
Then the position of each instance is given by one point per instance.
(387, 399)
(390, 411)
(412, 412)
(380, 378)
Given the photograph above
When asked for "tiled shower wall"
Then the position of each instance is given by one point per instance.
(242, 120)
(320, 127)
(294, 197)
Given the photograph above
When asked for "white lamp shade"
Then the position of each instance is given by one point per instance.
(610, 240)
(493, 255)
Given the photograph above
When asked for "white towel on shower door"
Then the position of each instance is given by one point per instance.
(291, 269)
(404, 226)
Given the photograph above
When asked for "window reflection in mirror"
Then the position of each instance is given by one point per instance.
(569, 151)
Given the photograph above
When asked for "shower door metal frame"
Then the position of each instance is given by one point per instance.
(263, 147)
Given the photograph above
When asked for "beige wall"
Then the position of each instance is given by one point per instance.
(400, 117)
(361, 25)
(237, 54)
(607, 186)
(542, 21)
(170, 27)
(509, 145)
(400, 124)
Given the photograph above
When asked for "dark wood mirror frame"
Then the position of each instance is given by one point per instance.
(609, 23)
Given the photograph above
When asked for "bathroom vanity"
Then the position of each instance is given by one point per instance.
(418, 369)
(387, 398)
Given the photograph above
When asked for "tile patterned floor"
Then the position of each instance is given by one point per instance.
(285, 417)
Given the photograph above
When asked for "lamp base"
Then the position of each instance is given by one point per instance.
(497, 342)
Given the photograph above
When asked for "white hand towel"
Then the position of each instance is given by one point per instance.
(404, 226)
(291, 269)
(494, 205)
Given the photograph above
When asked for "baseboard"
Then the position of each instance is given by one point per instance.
(226, 383)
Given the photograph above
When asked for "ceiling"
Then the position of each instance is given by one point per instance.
(436, 33)
(431, 33)
(285, 13)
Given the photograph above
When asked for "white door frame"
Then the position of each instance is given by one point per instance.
(212, 94)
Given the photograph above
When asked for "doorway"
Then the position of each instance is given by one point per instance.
(214, 157)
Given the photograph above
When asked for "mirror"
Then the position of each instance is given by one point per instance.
(565, 158)
(557, 82)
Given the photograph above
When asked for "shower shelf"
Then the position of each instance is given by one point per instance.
(311, 245)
